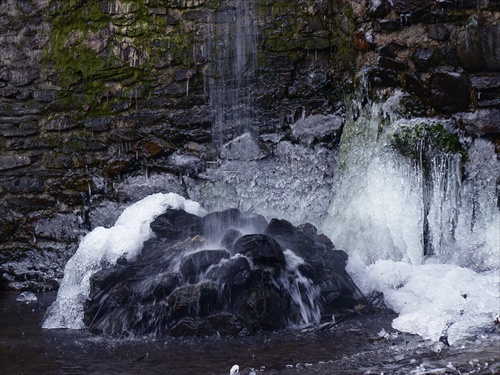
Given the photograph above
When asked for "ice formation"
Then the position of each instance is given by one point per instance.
(423, 235)
(103, 247)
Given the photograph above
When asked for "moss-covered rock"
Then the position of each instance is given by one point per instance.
(427, 140)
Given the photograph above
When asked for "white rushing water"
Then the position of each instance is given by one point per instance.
(233, 58)
(101, 248)
(426, 235)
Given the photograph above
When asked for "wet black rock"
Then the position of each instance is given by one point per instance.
(263, 250)
(186, 281)
(478, 46)
(176, 224)
(426, 58)
(438, 32)
(379, 77)
(379, 9)
(393, 64)
(391, 49)
(450, 92)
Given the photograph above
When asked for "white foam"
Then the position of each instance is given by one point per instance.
(433, 299)
(102, 247)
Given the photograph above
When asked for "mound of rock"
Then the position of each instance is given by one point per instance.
(228, 273)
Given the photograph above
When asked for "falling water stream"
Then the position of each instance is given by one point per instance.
(233, 57)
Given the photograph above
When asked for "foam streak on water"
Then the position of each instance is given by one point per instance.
(101, 248)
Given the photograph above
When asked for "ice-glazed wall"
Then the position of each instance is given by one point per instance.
(105, 102)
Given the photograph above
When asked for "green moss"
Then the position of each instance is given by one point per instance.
(427, 141)
(84, 52)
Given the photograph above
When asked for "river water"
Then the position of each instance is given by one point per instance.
(354, 346)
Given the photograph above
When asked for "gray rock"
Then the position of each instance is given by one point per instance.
(59, 227)
(480, 122)
(485, 81)
(13, 161)
(98, 124)
(59, 123)
(44, 96)
(438, 32)
(244, 147)
(24, 184)
(478, 47)
(317, 128)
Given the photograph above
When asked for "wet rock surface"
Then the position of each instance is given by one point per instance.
(189, 282)
(104, 103)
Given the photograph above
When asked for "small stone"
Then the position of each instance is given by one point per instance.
(438, 32)
(13, 161)
(426, 58)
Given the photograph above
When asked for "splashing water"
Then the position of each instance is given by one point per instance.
(302, 290)
(102, 248)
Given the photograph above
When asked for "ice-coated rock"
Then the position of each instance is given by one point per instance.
(27, 297)
(244, 147)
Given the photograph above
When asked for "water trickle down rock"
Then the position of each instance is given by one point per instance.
(233, 57)
(228, 273)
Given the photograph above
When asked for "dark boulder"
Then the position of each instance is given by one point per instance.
(215, 224)
(193, 265)
(176, 225)
(478, 46)
(266, 309)
(393, 64)
(427, 58)
(391, 49)
(263, 250)
(438, 32)
(450, 92)
(229, 239)
(381, 77)
(379, 9)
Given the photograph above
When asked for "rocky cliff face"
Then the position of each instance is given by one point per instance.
(104, 102)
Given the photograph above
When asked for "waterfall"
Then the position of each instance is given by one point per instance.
(233, 54)
(415, 206)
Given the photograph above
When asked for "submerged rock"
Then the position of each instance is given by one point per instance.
(228, 273)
